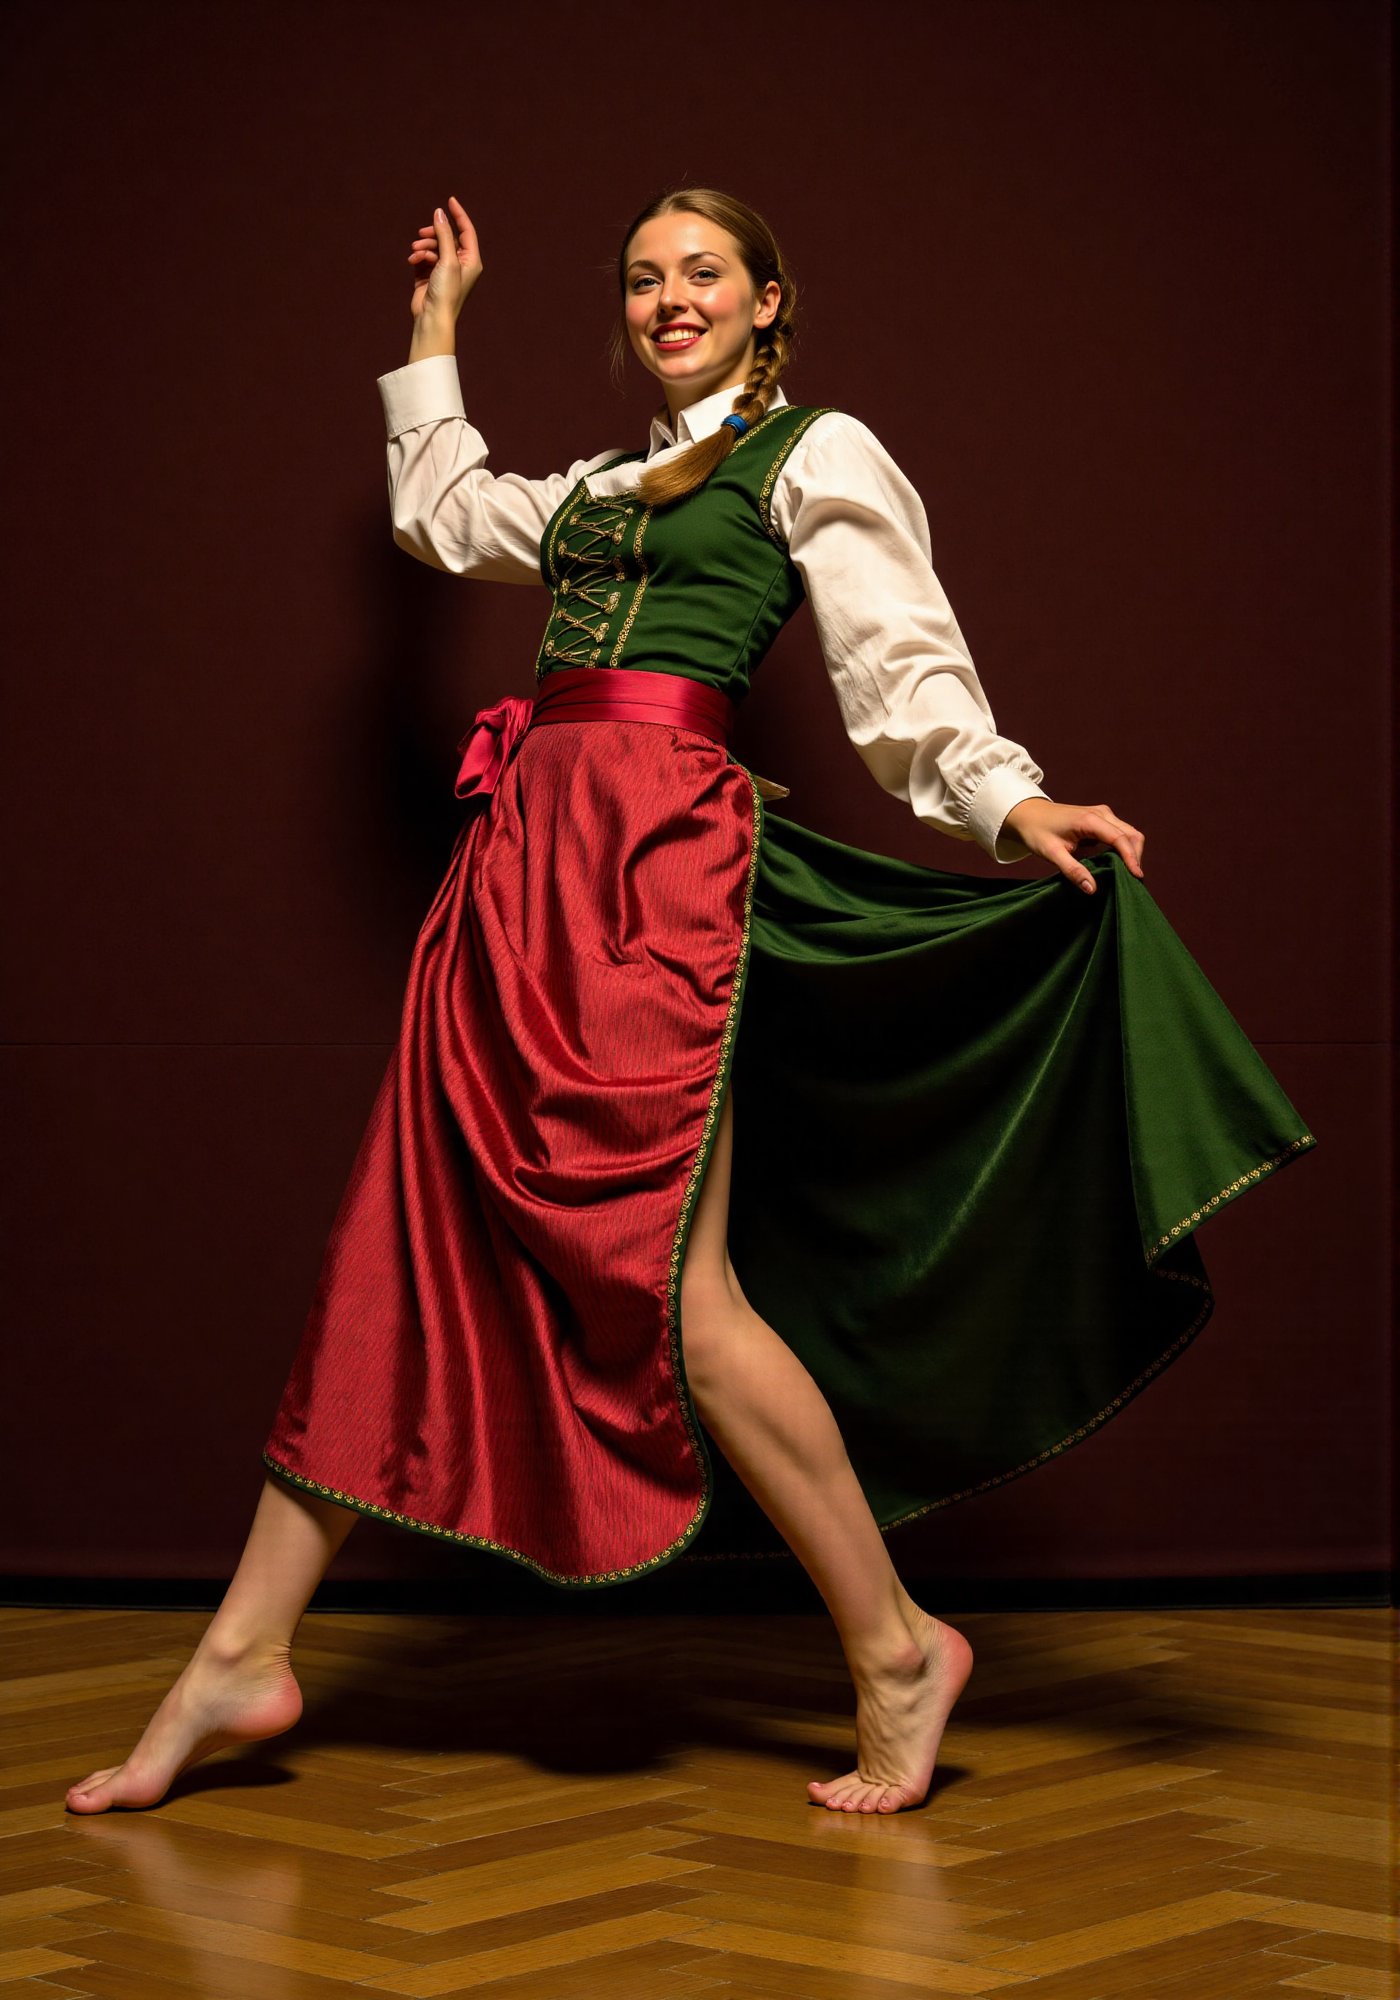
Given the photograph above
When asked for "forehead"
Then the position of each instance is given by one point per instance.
(678, 235)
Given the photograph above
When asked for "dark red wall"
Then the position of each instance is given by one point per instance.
(1110, 284)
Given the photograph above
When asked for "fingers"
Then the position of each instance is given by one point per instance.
(1060, 853)
(1056, 830)
(1100, 823)
(436, 238)
(432, 240)
(464, 226)
(424, 248)
(1100, 826)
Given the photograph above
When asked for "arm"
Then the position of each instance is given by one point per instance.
(446, 508)
(908, 692)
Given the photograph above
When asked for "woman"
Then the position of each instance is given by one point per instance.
(951, 1230)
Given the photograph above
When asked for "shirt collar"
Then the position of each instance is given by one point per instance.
(698, 420)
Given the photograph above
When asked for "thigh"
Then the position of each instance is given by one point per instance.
(707, 1264)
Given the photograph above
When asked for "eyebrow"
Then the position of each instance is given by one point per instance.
(645, 263)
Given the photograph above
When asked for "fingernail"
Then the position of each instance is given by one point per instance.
(1087, 887)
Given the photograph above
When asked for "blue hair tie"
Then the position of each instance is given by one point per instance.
(736, 422)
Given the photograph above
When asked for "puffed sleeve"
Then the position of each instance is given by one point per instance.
(447, 509)
(908, 692)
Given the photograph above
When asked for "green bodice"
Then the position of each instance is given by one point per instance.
(701, 587)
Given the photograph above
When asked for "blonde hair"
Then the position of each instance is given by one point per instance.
(773, 343)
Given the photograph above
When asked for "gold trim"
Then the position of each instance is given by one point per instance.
(451, 1534)
(566, 636)
(555, 525)
(642, 582)
(765, 491)
(556, 520)
(1236, 1186)
(752, 432)
(673, 1329)
(599, 520)
(682, 1233)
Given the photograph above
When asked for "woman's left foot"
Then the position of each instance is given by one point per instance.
(901, 1712)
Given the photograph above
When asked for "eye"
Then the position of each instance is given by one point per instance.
(700, 271)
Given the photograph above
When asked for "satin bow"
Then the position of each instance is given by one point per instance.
(487, 745)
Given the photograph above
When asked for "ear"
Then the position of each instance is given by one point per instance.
(767, 310)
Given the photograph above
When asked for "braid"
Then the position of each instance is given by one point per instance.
(689, 470)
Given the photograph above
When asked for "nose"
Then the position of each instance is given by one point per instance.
(671, 300)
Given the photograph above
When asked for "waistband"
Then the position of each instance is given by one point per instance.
(593, 694)
(588, 694)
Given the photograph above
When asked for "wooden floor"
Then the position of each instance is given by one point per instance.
(1163, 1805)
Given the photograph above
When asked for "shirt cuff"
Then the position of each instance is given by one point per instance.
(421, 392)
(1001, 789)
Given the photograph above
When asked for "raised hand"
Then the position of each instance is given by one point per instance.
(448, 260)
(1055, 830)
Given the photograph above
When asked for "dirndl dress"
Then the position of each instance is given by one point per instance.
(975, 1227)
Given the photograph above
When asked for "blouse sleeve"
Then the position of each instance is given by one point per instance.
(447, 509)
(908, 692)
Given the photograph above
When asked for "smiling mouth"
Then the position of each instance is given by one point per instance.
(681, 337)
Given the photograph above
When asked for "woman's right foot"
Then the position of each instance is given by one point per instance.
(902, 1708)
(220, 1699)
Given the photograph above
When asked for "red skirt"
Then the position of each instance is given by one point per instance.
(493, 1350)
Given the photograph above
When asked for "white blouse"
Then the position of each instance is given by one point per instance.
(856, 530)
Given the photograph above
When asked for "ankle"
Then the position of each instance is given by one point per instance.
(229, 1646)
(891, 1655)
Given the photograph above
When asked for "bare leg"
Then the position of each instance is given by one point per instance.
(239, 1686)
(777, 1430)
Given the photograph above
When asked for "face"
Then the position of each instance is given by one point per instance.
(685, 272)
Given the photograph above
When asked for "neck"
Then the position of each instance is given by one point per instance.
(681, 399)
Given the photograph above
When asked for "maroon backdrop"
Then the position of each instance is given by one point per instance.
(1109, 283)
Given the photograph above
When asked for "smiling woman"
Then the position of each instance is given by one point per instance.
(704, 1128)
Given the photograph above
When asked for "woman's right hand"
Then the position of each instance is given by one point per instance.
(449, 265)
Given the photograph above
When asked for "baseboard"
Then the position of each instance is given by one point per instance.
(720, 1589)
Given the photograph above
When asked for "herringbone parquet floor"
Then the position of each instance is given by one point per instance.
(1168, 1806)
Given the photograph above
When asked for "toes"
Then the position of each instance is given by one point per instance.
(92, 1784)
(91, 1800)
(897, 1797)
(838, 1789)
(97, 1778)
(853, 1793)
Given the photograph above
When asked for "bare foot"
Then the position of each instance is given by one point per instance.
(219, 1700)
(901, 1713)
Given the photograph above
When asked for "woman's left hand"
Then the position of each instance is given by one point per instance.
(1054, 830)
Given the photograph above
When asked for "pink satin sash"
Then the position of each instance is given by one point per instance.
(587, 694)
